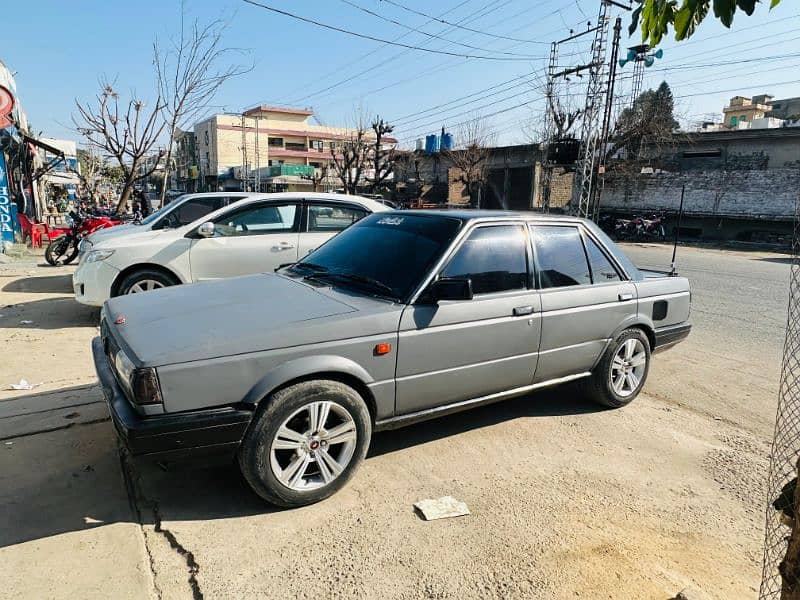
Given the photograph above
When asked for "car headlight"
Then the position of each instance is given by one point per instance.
(84, 245)
(97, 255)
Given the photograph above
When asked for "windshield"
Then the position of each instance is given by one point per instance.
(386, 254)
(159, 213)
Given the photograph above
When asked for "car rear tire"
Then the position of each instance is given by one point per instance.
(145, 280)
(305, 443)
(622, 372)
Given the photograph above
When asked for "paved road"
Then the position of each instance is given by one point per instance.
(739, 303)
(567, 501)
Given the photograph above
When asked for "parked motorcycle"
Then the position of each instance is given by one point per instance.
(64, 248)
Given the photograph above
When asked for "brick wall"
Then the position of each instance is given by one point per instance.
(760, 194)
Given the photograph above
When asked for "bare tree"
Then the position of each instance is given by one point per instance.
(127, 133)
(382, 158)
(91, 171)
(190, 71)
(350, 156)
(469, 158)
(317, 177)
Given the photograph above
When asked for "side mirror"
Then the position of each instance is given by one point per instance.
(451, 289)
(206, 230)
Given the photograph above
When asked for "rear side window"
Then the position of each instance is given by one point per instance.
(494, 258)
(602, 269)
(331, 218)
(560, 257)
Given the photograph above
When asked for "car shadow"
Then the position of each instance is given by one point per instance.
(49, 313)
(49, 284)
(76, 478)
(781, 260)
(552, 402)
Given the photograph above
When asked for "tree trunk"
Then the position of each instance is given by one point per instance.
(126, 192)
(790, 565)
(167, 162)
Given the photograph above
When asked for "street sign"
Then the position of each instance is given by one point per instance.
(6, 222)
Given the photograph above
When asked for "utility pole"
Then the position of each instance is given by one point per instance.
(594, 206)
(549, 127)
(257, 175)
(243, 174)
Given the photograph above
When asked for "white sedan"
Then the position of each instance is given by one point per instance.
(253, 235)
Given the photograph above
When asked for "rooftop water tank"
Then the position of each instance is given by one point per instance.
(447, 141)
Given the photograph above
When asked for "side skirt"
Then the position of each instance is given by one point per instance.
(439, 411)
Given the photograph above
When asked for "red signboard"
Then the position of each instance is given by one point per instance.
(6, 107)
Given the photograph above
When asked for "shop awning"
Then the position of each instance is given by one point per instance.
(59, 155)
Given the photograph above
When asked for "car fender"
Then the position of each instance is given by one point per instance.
(303, 367)
(638, 320)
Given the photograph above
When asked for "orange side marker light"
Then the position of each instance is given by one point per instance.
(382, 348)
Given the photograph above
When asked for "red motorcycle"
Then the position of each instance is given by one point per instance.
(64, 248)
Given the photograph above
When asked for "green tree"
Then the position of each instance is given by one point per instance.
(651, 119)
(656, 17)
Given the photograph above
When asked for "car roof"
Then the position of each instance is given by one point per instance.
(480, 215)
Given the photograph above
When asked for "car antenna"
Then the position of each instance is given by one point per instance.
(672, 271)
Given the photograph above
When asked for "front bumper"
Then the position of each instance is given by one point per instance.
(667, 337)
(92, 282)
(170, 437)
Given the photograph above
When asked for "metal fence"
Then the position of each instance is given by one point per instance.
(786, 440)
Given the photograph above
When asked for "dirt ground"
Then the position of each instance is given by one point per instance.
(567, 501)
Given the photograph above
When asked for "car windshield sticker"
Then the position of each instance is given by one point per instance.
(390, 221)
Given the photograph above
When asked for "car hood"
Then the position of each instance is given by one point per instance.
(117, 230)
(222, 318)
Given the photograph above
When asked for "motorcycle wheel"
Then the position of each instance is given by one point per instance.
(61, 249)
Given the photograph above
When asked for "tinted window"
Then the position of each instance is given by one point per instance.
(191, 210)
(493, 257)
(331, 218)
(258, 219)
(602, 269)
(560, 258)
(396, 251)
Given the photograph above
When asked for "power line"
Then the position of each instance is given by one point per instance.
(430, 35)
(349, 79)
(384, 41)
(422, 14)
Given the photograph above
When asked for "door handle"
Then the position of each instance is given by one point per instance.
(284, 246)
(523, 310)
(624, 297)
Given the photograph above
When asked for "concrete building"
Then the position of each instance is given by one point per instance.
(742, 110)
(739, 184)
(786, 108)
(266, 148)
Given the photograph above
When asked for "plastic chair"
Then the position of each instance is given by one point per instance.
(37, 230)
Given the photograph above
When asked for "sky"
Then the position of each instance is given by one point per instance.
(62, 50)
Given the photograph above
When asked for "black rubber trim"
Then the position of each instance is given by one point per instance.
(179, 435)
(666, 337)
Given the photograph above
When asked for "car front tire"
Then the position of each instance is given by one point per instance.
(306, 442)
(144, 280)
(622, 372)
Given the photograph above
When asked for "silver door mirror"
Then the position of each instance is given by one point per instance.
(206, 230)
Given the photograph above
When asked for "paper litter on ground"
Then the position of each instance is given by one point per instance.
(26, 322)
(441, 508)
(23, 385)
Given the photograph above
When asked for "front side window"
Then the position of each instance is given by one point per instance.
(602, 269)
(183, 214)
(494, 258)
(560, 257)
(257, 220)
(330, 218)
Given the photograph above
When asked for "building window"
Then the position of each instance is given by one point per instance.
(702, 153)
(206, 137)
(316, 165)
(743, 119)
(299, 146)
(208, 162)
(315, 145)
(276, 141)
(734, 121)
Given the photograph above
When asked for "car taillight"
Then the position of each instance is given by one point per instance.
(144, 387)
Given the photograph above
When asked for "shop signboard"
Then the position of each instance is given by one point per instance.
(6, 222)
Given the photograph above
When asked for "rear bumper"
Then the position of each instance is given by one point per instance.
(169, 437)
(667, 337)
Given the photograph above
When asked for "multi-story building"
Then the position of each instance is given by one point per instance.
(266, 148)
(744, 110)
(187, 173)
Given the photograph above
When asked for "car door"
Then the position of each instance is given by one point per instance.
(255, 238)
(325, 220)
(584, 299)
(459, 350)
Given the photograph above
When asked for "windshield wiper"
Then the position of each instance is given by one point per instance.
(364, 280)
(310, 266)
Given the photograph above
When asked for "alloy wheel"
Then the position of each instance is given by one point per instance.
(313, 446)
(628, 367)
(145, 285)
